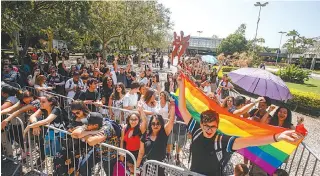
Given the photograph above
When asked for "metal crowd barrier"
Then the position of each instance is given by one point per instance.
(13, 146)
(155, 168)
(303, 162)
(56, 153)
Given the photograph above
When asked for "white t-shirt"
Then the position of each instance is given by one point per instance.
(70, 85)
(155, 109)
(207, 89)
(163, 111)
(113, 76)
(144, 80)
(130, 100)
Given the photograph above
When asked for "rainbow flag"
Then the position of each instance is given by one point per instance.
(268, 157)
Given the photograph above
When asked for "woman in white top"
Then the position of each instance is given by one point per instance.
(149, 103)
(116, 100)
(163, 105)
(155, 83)
(40, 85)
(143, 78)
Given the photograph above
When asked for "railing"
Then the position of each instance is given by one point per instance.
(302, 162)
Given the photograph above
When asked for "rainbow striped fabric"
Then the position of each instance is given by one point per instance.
(268, 157)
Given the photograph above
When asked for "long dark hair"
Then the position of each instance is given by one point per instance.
(136, 130)
(116, 94)
(275, 119)
(79, 105)
(22, 94)
(149, 95)
(105, 82)
(161, 121)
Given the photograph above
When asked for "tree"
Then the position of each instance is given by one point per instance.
(235, 42)
(297, 44)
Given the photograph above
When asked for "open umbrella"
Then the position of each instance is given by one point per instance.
(261, 82)
(209, 59)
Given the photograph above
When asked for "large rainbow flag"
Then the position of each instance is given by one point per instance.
(268, 157)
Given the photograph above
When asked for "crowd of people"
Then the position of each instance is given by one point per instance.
(105, 98)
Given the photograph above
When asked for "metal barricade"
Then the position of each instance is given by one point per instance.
(154, 168)
(55, 152)
(303, 162)
(13, 146)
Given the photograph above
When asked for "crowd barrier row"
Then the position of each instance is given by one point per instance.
(41, 149)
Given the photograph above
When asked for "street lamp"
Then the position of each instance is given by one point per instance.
(199, 32)
(258, 4)
(278, 52)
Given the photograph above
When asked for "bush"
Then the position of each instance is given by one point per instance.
(292, 73)
(307, 101)
(229, 69)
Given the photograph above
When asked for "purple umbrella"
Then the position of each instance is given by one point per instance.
(261, 82)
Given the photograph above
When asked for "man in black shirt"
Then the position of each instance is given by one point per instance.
(211, 150)
(56, 80)
(257, 113)
(91, 97)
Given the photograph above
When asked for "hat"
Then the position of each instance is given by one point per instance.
(92, 119)
(76, 73)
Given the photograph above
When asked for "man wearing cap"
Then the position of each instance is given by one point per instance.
(74, 85)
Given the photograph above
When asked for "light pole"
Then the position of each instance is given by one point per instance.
(278, 52)
(258, 4)
(199, 32)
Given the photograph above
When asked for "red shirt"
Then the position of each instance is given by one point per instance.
(133, 142)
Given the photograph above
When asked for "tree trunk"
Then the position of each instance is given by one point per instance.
(104, 50)
(14, 38)
(25, 48)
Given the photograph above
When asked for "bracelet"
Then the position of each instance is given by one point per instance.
(274, 138)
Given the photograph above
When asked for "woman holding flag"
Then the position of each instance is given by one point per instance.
(216, 148)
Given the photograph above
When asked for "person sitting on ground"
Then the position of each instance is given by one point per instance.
(241, 170)
(206, 149)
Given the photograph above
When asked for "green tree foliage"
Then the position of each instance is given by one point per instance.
(292, 73)
(235, 42)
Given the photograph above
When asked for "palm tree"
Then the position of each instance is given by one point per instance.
(291, 43)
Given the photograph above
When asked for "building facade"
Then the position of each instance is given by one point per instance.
(203, 45)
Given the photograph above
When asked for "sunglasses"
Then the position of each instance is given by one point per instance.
(155, 124)
(207, 127)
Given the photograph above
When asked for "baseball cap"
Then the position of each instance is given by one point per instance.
(93, 118)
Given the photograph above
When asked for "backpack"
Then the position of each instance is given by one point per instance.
(226, 167)
(117, 128)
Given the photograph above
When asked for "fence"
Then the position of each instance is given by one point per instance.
(13, 146)
(59, 154)
(154, 168)
(303, 162)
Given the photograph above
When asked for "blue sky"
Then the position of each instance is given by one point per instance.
(222, 17)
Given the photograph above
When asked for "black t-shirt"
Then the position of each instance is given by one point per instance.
(256, 114)
(58, 122)
(107, 93)
(129, 78)
(87, 95)
(204, 150)
(122, 78)
(56, 79)
(155, 150)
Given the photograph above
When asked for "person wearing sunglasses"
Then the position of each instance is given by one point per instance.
(136, 125)
(153, 143)
(215, 148)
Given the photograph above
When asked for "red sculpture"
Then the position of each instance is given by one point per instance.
(180, 45)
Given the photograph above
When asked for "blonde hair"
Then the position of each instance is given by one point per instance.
(40, 80)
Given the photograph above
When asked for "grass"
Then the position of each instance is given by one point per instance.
(312, 85)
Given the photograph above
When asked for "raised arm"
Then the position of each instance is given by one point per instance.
(264, 119)
(247, 107)
(182, 101)
(16, 114)
(141, 154)
(289, 135)
(168, 127)
(143, 125)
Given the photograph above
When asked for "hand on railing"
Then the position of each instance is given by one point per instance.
(36, 131)
(4, 123)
